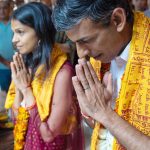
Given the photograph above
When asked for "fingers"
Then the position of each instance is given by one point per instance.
(93, 73)
(77, 86)
(107, 82)
(110, 84)
(86, 72)
(13, 69)
(18, 61)
(105, 78)
(81, 77)
(83, 101)
(21, 61)
(30, 71)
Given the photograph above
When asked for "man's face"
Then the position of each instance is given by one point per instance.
(94, 40)
(5, 10)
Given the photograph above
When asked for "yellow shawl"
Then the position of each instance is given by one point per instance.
(42, 89)
(133, 102)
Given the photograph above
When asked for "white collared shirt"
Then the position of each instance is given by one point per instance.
(117, 69)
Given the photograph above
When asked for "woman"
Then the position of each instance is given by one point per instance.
(41, 92)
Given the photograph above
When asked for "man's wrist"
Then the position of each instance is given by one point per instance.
(107, 118)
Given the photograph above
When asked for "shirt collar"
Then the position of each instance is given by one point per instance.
(123, 58)
(124, 55)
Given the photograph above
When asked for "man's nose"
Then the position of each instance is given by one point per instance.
(82, 51)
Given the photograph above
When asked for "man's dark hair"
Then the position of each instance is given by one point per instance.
(68, 13)
(37, 16)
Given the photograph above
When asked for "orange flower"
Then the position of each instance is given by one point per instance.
(20, 128)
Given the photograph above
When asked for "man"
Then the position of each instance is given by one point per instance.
(108, 31)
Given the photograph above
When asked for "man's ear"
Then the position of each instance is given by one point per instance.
(118, 18)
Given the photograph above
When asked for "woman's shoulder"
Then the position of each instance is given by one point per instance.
(67, 67)
(65, 73)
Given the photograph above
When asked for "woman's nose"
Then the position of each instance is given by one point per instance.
(14, 39)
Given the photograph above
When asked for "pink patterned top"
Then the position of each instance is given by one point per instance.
(34, 140)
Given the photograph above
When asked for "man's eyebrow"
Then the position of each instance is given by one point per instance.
(82, 39)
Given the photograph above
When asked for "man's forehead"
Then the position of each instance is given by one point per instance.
(82, 30)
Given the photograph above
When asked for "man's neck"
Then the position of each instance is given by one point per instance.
(128, 37)
(122, 49)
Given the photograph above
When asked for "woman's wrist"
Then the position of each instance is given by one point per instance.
(26, 90)
(46, 132)
(30, 107)
(15, 108)
(18, 97)
(29, 98)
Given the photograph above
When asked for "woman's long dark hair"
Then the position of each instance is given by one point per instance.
(37, 16)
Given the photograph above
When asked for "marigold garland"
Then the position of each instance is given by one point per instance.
(20, 128)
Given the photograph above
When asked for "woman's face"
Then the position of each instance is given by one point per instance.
(24, 38)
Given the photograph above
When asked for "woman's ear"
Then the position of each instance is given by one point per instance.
(118, 18)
